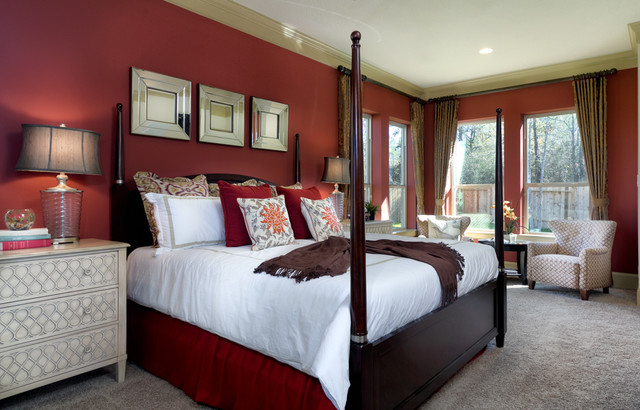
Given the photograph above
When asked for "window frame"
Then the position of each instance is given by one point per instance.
(525, 168)
(454, 187)
(403, 173)
(366, 145)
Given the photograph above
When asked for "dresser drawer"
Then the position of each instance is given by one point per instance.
(21, 279)
(30, 321)
(37, 362)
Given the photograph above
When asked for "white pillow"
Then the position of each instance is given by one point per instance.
(187, 221)
(267, 222)
(444, 229)
(321, 218)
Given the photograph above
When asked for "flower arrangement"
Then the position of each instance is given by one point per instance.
(510, 218)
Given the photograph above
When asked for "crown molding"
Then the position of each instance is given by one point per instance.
(634, 35)
(619, 61)
(248, 21)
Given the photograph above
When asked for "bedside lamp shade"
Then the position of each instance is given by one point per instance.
(336, 171)
(64, 150)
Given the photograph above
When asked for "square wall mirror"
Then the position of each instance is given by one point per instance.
(221, 116)
(160, 105)
(269, 125)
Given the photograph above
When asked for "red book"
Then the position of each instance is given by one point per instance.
(33, 243)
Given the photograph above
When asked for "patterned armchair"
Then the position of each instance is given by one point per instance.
(423, 223)
(579, 259)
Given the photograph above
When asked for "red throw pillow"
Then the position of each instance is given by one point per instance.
(292, 201)
(235, 231)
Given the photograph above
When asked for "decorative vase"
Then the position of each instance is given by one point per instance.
(513, 238)
(19, 219)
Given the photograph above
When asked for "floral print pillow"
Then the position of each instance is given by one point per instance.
(321, 218)
(267, 222)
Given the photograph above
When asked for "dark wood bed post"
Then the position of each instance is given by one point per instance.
(119, 189)
(358, 274)
(357, 368)
(499, 236)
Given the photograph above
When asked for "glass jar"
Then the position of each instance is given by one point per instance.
(19, 219)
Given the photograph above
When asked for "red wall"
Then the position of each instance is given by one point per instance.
(69, 61)
(622, 132)
(385, 106)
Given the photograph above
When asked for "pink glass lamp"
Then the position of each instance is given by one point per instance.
(64, 150)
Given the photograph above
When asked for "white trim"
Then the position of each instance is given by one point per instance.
(634, 34)
(255, 24)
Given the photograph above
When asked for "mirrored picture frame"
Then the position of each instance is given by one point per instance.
(221, 116)
(160, 105)
(269, 125)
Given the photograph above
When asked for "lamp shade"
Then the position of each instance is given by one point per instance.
(59, 149)
(64, 150)
(336, 170)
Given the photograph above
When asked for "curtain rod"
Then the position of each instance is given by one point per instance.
(345, 70)
(516, 87)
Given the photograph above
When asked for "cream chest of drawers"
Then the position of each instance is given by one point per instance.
(62, 313)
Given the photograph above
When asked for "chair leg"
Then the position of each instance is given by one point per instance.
(605, 290)
(584, 294)
(532, 284)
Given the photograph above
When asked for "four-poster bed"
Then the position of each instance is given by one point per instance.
(396, 369)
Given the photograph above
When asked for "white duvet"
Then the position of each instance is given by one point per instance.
(306, 325)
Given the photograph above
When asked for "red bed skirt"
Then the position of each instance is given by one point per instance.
(215, 371)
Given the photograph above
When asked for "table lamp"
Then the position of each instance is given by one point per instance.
(336, 171)
(64, 150)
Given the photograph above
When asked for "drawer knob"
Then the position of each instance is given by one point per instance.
(87, 310)
(87, 349)
(87, 272)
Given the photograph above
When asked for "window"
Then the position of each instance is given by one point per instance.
(556, 184)
(473, 168)
(397, 174)
(366, 148)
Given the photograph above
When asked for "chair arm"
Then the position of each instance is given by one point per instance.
(595, 268)
(589, 252)
(541, 248)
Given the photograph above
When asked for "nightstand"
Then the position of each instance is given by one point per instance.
(371, 226)
(62, 313)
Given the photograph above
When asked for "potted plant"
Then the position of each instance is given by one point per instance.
(371, 210)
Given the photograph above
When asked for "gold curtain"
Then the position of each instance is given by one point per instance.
(344, 129)
(417, 139)
(590, 97)
(444, 136)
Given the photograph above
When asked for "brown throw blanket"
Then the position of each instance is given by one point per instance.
(332, 258)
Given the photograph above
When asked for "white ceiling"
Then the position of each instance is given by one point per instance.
(432, 43)
(435, 42)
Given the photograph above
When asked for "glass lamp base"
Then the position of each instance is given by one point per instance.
(337, 198)
(61, 213)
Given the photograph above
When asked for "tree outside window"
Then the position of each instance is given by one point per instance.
(397, 174)
(556, 179)
(473, 168)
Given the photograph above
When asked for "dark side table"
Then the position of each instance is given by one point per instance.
(519, 247)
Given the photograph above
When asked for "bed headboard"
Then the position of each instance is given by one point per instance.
(128, 220)
(136, 227)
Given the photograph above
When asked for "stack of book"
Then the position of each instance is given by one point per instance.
(32, 238)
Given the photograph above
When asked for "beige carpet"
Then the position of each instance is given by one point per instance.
(560, 353)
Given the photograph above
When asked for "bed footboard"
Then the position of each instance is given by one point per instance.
(403, 369)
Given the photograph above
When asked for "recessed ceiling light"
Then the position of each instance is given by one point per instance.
(486, 50)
